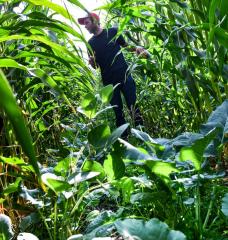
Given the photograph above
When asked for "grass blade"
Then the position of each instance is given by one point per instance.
(9, 105)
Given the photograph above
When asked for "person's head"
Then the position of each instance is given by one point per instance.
(91, 22)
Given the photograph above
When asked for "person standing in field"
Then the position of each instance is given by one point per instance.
(106, 54)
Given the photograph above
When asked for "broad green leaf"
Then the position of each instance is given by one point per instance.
(9, 105)
(195, 152)
(106, 93)
(145, 198)
(162, 169)
(62, 167)
(6, 231)
(134, 154)
(117, 134)
(81, 177)
(55, 183)
(93, 166)
(114, 166)
(225, 205)
(12, 187)
(19, 162)
(88, 106)
(150, 230)
(99, 135)
(101, 219)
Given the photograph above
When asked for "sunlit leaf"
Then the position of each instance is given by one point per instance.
(195, 152)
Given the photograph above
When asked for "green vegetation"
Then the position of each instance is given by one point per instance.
(65, 172)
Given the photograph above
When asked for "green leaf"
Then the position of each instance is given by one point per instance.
(145, 198)
(88, 106)
(127, 186)
(162, 169)
(133, 153)
(93, 166)
(6, 232)
(13, 187)
(62, 51)
(212, 9)
(99, 135)
(106, 93)
(225, 205)
(195, 152)
(114, 166)
(9, 105)
(62, 167)
(117, 134)
(18, 162)
(53, 6)
(5, 62)
(55, 183)
(81, 177)
(150, 230)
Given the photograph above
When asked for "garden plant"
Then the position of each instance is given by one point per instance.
(65, 171)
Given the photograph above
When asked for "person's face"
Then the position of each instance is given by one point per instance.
(90, 25)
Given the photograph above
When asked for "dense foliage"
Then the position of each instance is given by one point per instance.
(65, 172)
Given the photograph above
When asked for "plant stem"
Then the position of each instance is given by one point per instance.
(209, 209)
(45, 223)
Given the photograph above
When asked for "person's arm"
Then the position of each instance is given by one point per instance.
(140, 51)
(92, 61)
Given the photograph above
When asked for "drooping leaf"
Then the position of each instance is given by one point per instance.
(150, 230)
(195, 152)
(13, 187)
(9, 105)
(93, 166)
(55, 183)
(81, 177)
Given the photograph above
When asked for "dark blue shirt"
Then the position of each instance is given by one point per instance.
(108, 54)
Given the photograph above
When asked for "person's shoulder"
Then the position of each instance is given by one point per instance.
(113, 30)
(91, 40)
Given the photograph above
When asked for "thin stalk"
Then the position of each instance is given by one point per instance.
(46, 225)
(81, 198)
(209, 209)
(55, 219)
(197, 209)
